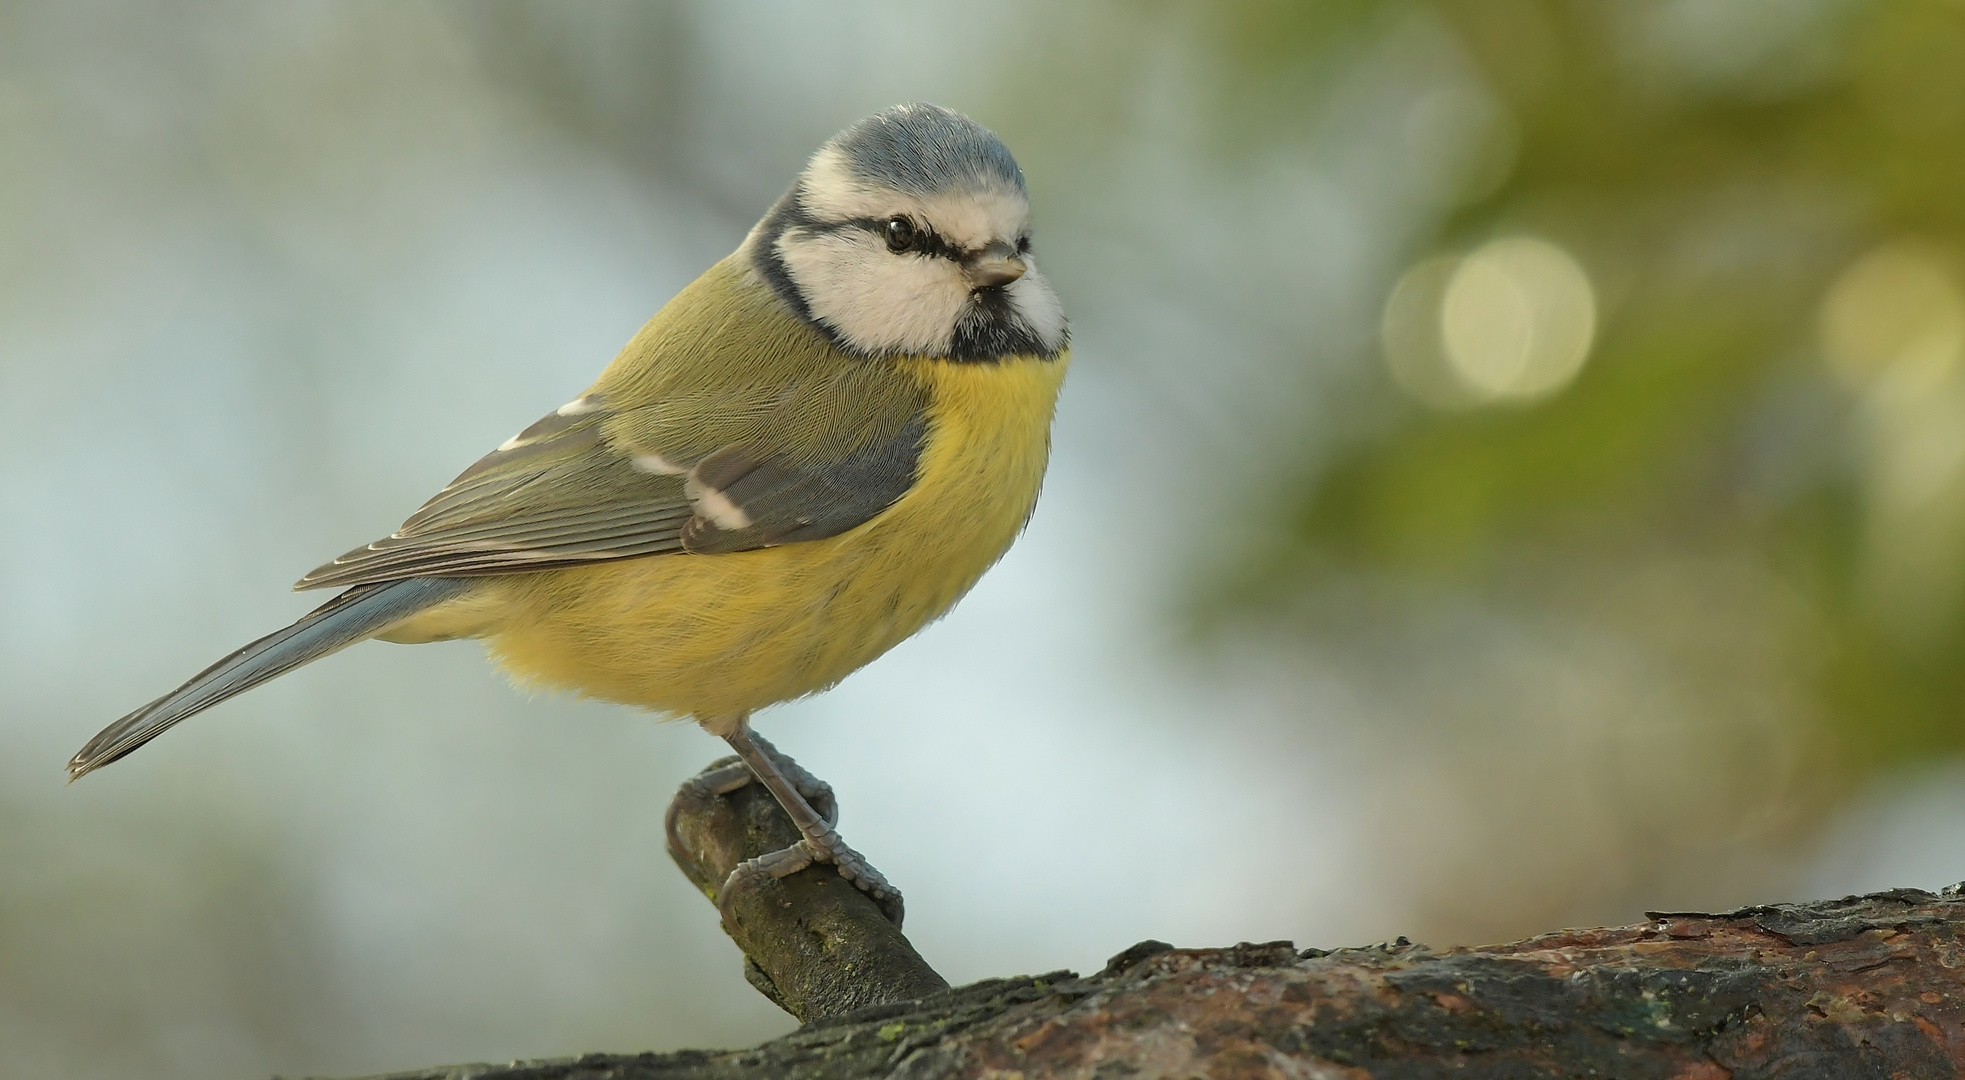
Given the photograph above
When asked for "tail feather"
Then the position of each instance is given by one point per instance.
(359, 613)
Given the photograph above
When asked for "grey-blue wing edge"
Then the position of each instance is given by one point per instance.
(360, 613)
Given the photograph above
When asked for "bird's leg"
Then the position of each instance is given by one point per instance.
(789, 784)
(725, 775)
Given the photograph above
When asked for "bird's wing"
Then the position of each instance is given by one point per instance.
(745, 466)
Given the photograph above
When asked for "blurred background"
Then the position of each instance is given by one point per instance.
(1512, 475)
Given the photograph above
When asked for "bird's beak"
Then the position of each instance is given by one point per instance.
(994, 266)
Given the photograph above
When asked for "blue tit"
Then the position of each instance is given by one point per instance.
(812, 451)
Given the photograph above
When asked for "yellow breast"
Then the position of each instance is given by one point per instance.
(715, 636)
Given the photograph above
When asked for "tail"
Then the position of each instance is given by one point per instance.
(359, 613)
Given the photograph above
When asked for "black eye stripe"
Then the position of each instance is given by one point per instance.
(931, 243)
(926, 240)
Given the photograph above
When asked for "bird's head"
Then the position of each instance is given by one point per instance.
(909, 234)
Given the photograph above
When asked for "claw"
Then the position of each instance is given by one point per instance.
(788, 861)
(816, 791)
(810, 804)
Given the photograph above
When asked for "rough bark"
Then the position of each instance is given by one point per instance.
(813, 944)
(1868, 986)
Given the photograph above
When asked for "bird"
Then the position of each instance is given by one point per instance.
(808, 454)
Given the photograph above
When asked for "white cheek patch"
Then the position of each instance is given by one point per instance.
(715, 506)
(878, 301)
(1037, 306)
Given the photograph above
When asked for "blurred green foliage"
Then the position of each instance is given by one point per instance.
(1716, 168)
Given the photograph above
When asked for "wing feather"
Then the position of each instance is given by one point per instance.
(562, 492)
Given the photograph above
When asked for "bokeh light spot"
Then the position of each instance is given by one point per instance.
(1513, 321)
(1896, 310)
(1410, 334)
(1893, 330)
(1517, 319)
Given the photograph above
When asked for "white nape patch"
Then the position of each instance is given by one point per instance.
(716, 506)
(579, 406)
(655, 465)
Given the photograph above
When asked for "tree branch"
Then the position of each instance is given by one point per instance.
(1863, 986)
(813, 943)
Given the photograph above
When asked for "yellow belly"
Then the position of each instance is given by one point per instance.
(715, 636)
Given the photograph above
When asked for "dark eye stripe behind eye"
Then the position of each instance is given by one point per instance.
(926, 240)
(929, 242)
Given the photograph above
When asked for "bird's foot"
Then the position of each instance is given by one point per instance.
(820, 846)
(727, 774)
(809, 802)
(816, 792)
(719, 777)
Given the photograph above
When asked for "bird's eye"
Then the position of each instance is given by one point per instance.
(900, 235)
(1023, 245)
